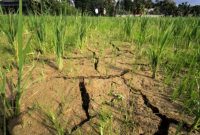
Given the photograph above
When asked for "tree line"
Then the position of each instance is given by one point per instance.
(159, 7)
(112, 7)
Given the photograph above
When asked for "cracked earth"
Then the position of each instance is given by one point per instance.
(91, 82)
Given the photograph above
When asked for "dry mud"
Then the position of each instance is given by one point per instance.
(91, 83)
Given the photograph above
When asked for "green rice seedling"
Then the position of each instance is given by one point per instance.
(176, 33)
(128, 28)
(105, 122)
(128, 115)
(9, 26)
(1, 10)
(188, 90)
(38, 26)
(190, 34)
(6, 110)
(21, 56)
(59, 41)
(12, 107)
(187, 39)
(31, 24)
(142, 33)
(51, 120)
(83, 29)
(156, 50)
(173, 68)
(194, 31)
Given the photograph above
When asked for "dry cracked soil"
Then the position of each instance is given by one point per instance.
(94, 85)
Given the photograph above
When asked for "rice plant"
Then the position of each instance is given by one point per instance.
(142, 33)
(59, 40)
(51, 120)
(82, 32)
(156, 50)
(1, 10)
(11, 105)
(188, 92)
(9, 26)
(6, 110)
(128, 28)
(21, 56)
(105, 122)
(38, 26)
(177, 30)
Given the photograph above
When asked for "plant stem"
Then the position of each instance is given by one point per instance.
(20, 60)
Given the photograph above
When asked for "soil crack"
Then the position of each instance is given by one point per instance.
(81, 124)
(95, 58)
(96, 61)
(115, 47)
(165, 121)
(85, 104)
(85, 97)
(129, 86)
(95, 77)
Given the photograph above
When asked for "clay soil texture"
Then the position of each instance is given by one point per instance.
(95, 94)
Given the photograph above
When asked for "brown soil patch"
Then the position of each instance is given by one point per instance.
(130, 100)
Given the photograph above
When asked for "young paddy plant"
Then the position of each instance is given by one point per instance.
(59, 40)
(177, 34)
(143, 31)
(155, 51)
(128, 28)
(105, 122)
(9, 26)
(11, 105)
(51, 120)
(1, 11)
(191, 35)
(21, 58)
(83, 28)
(37, 25)
(188, 91)
(5, 110)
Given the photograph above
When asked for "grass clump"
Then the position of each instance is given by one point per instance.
(155, 51)
(59, 40)
(128, 28)
(37, 25)
(9, 26)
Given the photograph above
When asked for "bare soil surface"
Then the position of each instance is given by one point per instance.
(111, 85)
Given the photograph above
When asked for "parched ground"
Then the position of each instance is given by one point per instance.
(121, 95)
